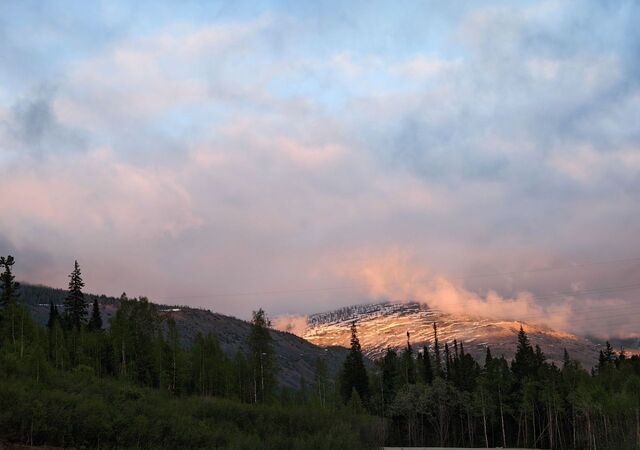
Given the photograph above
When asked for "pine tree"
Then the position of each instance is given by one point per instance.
(9, 295)
(524, 363)
(447, 361)
(75, 303)
(540, 358)
(9, 286)
(408, 364)
(389, 376)
(95, 322)
(566, 360)
(354, 373)
(427, 371)
(53, 315)
(436, 352)
(488, 358)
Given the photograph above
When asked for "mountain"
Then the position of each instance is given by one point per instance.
(385, 325)
(296, 357)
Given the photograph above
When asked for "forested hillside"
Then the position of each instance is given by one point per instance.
(296, 357)
(75, 383)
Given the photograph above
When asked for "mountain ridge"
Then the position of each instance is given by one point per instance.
(295, 356)
(382, 325)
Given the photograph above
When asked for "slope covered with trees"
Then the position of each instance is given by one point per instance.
(136, 384)
(295, 357)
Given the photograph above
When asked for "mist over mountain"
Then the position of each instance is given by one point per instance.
(385, 325)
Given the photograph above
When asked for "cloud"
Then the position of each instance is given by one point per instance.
(248, 152)
(396, 277)
(291, 324)
(31, 127)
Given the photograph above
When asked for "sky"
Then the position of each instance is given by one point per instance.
(480, 156)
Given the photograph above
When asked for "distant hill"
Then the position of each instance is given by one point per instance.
(385, 325)
(296, 357)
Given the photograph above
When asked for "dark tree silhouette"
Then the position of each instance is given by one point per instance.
(436, 352)
(8, 284)
(95, 322)
(54, 316)
(75, 303)
(524, 363)
(427, 371)
(354, 374)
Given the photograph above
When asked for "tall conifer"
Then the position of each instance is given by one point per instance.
(95, 322)
(75, 303)
(354, 373)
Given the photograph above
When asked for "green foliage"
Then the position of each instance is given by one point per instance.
(78, 409)
(75, 303)
(8, 286)
(354, 373)
(262, 356)
(95, 322)
(136, 384)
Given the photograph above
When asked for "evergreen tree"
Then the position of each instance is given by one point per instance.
(389, 376)
(95, 322)
(447, 361)
(9, 296)
(54, 316)
(524, 363)
(354, 373)
(408, 365)
(540, 358)
(262, 357)
(427, 371)
(606, 358)
(488, 358)
(75, 303)
(436, 352)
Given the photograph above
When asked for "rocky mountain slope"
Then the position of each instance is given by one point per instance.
(386, 324)
(296, 357)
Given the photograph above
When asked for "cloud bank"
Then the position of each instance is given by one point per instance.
(237, 156)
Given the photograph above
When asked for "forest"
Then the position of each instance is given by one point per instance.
(79, 382)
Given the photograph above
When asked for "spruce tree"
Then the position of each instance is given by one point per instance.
(354, 373)
(436, 352)
(447, 361)
(488, 358)
(9, 295)
(95, 322)
(75, 303)
(389, 376)
(524, 363)
(408, 364)
(9, 286)
(566, 360)
(427, 371)
(53, 315)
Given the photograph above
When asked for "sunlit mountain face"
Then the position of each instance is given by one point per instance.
(385, 325)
